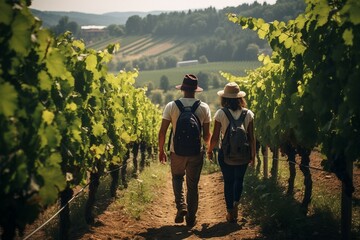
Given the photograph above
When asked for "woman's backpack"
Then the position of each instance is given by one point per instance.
(235, 144)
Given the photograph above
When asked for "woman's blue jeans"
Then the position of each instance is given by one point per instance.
(233, 180)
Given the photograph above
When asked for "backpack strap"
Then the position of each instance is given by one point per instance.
(182, 108)
(193, 109)
(195, 106)
(228, 114)
(169, 141)
(238, 121)
(242, 117)
(179, 105)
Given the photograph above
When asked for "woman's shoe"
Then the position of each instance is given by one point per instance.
(230, 216)
(235, 210)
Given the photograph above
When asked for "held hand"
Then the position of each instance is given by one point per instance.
(252, 162)
(210, 156)
(162, 157)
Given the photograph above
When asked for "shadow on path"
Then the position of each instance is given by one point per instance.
(218, 230)
(176, 232)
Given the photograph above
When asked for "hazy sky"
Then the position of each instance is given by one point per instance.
(104, 6)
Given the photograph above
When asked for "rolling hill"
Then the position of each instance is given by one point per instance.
(51, 18)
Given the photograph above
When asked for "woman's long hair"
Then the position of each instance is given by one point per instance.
(233, 103)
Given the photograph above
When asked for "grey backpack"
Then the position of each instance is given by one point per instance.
(235, 143)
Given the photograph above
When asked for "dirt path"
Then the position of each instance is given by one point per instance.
(158, 221)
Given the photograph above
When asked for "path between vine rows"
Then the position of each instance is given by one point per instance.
(157, 222)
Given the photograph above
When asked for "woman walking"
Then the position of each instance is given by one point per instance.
(233, 167)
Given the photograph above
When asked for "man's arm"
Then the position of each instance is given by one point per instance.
(206, 134)
(206, 128)
(161, 139)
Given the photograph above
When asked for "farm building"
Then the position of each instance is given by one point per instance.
(93, 31)
(187, 63)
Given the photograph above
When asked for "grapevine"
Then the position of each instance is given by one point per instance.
(63, 115)
(306, 90)
(306, 94)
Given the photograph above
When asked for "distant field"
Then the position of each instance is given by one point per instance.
(100, 45)
(135, 47)
(175, 75)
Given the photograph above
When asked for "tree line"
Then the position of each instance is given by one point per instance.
(212, 34)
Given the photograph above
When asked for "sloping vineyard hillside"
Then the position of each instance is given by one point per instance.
(135, 47)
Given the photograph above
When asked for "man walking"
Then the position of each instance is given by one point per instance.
(186, 153)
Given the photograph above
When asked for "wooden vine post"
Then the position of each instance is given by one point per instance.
(346, 205)
(266, 166)
(275, 164)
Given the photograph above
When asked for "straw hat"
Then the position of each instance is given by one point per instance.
(190, 83)
(231, 90)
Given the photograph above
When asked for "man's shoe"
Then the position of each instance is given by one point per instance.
(191, 222)
(179, 218)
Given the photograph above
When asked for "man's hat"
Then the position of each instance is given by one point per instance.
(190, 83)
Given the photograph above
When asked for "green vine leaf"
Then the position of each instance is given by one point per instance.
(48, 116)
(348, 37)
(21, 38)
(53, 178)
(98, 129)
(6, 13)
(8, 99)
(55, 64)
(283, 37)
(91, 62)
(322, 9)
